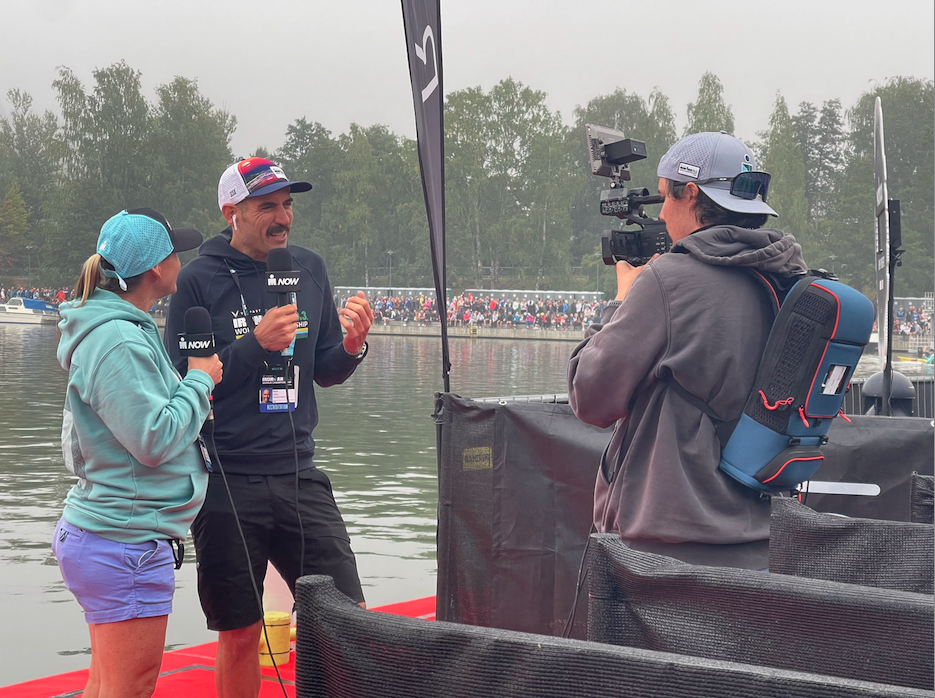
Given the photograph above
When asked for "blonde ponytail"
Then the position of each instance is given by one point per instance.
(88, 280)
(91, 278)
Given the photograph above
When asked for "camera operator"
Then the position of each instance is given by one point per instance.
(696, 317)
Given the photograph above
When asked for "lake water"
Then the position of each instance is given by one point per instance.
(376, 441)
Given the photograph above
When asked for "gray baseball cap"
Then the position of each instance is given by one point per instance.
(714, 159)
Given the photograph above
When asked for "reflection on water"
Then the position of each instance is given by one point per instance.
(376, 441)
(32, 487)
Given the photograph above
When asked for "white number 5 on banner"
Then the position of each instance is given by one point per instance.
(427, 36)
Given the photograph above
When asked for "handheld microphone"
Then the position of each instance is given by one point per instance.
(280, 277)
(198, 339)
(283, 281)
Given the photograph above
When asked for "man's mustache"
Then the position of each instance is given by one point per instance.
(273, 229)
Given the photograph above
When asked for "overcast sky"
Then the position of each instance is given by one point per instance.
(344, 61)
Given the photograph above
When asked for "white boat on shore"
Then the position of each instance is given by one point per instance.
(27, 311)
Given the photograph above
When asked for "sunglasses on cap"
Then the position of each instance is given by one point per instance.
(746, 185)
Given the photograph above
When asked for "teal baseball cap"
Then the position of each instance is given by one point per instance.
(136, 241)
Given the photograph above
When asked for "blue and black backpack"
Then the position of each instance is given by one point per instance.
(819, 333)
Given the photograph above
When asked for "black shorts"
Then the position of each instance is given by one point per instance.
(266, 507)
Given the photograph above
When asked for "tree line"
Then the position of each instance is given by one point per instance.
(522, 206)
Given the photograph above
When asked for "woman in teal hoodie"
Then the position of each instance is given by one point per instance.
(130, 434)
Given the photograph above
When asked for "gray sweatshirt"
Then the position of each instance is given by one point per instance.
(692, 313)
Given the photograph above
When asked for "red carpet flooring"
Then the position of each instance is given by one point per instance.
(189, 671)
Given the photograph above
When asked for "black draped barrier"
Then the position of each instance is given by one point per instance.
(871, 552)
(879, 450)
(516, 478)
(653, 602)
(922, 498)
(515, 488)
(343, 651)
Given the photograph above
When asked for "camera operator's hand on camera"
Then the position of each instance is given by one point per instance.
(626, 275)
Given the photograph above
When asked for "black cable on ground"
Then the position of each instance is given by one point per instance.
(582, 576)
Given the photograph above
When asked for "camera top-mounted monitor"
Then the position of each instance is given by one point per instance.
(611, 152)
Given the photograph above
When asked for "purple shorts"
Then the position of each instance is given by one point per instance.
(115, 581)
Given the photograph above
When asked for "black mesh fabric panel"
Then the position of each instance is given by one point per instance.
(654, 602)
(814, 305)
(888, 554)
(920, 498)
(879, 450)
(783, 370)
(516, 485)
(343, 651)
(783, 377)
(468, 450)
(511, 536)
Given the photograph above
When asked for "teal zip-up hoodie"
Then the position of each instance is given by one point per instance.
(130, 425)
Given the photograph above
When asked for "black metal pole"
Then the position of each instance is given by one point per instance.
(888, 366)
(895, 240)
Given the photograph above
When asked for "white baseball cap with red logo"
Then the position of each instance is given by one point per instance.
(254, 177)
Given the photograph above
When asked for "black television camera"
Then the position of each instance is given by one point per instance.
(610, 155)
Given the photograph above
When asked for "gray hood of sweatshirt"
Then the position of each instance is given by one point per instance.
(765, 249)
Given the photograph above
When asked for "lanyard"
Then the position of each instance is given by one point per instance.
(243, 303)
(288, 352)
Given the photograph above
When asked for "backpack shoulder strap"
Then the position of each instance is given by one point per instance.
(690, 398)
(723, 428)
(776, 287)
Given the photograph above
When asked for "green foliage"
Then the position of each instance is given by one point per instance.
(30, 153)
(189, 143)
(111, 149)
(14, 226)
(511, 176)
(522, 206)
(311, 155)
(106, 129)
(709, 112)
(910, 152)
(366, 226)
(821, 139)
(104, 163)
(783, 160)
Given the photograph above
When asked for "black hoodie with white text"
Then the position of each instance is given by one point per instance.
(227, 282)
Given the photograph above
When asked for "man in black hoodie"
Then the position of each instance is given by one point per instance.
(280, 352)
(697, 318)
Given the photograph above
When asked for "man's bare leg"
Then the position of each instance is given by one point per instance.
(237, 667)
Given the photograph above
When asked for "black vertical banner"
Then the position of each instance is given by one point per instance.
(422, 21)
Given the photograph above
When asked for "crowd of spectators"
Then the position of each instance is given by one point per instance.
(49, 295)
(913, 322)
(55, 296)
(468, 309)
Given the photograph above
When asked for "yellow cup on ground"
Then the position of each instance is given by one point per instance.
(278, 629)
